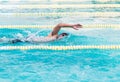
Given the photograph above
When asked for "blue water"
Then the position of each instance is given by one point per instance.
(84, 36)
(86, 65)
(60, 66)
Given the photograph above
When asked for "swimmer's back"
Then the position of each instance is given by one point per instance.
(41, 39)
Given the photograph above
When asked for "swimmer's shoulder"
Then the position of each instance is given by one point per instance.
(50, 35)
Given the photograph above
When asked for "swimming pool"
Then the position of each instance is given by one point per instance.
(46, 65)
(78, 65)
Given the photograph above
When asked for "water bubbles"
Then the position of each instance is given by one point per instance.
(19, 35)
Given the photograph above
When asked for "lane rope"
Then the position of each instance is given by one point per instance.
(73, 6)
(77, 0)
(77, 47)
(52, 26)
(84, 0)
(55, 6)
(65, 14)
(82, 14)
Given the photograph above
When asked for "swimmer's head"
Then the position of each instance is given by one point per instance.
(62, 35)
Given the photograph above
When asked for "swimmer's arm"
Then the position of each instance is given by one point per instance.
(60, 25)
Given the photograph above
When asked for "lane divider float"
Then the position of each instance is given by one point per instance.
(71, 6)
(65, 14)
(52, 26)
(81, 14)
(77, 47)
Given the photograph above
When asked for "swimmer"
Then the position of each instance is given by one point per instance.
(52, 36)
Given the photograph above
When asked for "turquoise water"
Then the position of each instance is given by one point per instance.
(60, 66)
(84, 36)
(86, 65)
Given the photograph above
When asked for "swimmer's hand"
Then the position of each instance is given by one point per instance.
(77, 26)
